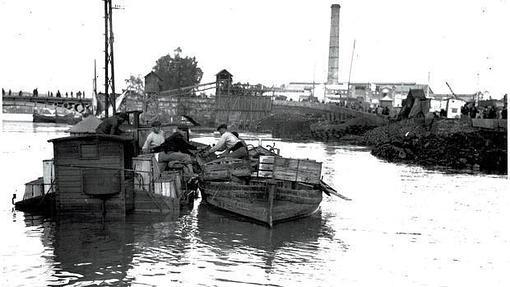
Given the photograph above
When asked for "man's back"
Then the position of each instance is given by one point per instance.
(109, 126)
(175, 143)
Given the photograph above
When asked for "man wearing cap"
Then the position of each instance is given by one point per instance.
(155, 138)
(110, 126)
(228, 143)
(176, 148)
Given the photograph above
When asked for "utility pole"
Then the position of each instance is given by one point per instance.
(109, 68)
(107, 3)
(112, 74)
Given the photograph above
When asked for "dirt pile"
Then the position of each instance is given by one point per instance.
(327, 131)
(289, 125)
(475, 150)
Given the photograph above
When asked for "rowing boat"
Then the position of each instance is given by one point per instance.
(267, 189)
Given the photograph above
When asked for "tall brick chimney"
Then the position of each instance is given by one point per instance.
(334, 45)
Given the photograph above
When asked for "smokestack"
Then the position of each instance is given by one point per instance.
(334, 45)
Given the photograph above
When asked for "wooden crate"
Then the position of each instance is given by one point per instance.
(265, 173)
(309, 171)
(225, 168)
(265, 166)
(48, 175)
(300, 170)
(166, 187)
(285, 169)
(144, 164)
(266, 159)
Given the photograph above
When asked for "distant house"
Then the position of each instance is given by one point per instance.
(386, 101)
(153, 83)
(223, 83)
(453, 108)
(415, 105)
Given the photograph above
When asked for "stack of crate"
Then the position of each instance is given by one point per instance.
(265, 166)
(295, 170)
(300, 170)
(224, 169)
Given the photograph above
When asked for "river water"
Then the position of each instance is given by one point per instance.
(405, 226)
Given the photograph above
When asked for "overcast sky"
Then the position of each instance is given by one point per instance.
(52, 44)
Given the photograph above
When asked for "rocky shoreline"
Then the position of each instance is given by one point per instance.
(451, 144)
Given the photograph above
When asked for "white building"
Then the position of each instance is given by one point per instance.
(453, 108)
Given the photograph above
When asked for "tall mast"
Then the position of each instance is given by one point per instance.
(428, 84)
(94, 81)
(350, 68)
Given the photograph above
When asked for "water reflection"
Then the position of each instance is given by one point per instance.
(298, 240)
(87, 253)
(83, 253)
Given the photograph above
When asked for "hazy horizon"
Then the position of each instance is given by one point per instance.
(270, 43)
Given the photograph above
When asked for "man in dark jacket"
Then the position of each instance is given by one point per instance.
(176, 148)
(110, 126)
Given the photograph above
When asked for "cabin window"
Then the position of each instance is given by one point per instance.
(454, 110)
(89, 151)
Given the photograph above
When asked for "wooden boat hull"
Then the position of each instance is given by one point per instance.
(38, 118)
(263, 201)
(67, 119)
(40, 204)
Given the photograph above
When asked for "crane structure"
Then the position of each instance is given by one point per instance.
(451, 90)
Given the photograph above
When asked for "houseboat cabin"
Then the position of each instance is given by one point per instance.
(91, 176)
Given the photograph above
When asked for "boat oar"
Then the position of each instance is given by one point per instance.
(329, 190)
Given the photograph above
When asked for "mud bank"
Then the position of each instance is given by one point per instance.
(451, 144)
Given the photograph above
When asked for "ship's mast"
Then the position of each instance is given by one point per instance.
(350, 68)
(94, 90)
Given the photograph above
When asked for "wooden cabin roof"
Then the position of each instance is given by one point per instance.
(224, 72)
(92, 136)
(152, 73)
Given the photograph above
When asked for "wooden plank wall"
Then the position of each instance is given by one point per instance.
(242, 111)
(70, 196)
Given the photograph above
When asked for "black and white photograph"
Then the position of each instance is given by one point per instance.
(254, 143)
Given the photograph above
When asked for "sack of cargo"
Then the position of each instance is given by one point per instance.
(225, 168)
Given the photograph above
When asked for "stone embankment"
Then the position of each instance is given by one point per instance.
(442, 143)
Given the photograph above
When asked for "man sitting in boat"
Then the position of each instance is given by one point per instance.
(231, 145)
(176, 148)
(155, 138)
(110, 126)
